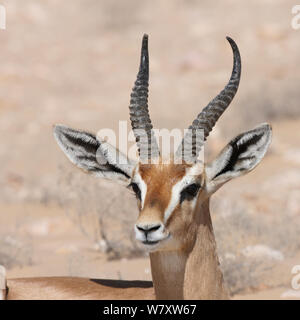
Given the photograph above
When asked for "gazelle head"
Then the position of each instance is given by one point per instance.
(169, 195)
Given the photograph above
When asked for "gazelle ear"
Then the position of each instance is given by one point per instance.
(98, 158)
(239, 157)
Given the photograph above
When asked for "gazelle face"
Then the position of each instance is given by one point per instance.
(167, 195)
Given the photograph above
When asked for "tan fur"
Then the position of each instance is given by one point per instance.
(159, 180)
(68, 288)
(189, 270)
(193, 271)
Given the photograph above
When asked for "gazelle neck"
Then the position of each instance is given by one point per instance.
(194, 271)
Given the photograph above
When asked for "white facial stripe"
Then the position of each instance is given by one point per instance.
(142, 185)
(196, 169)
(189, 178)
(174, 199)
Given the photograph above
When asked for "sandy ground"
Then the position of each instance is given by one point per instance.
(74, 62)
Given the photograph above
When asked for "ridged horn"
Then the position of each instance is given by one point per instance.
(197, 133)
(139, 113)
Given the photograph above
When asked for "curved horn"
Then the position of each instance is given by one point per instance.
(139, 113)
(197, 133)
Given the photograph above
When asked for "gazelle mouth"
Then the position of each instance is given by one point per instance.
(151, 243)
(154, 242)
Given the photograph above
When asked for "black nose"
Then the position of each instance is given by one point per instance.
(147, 228)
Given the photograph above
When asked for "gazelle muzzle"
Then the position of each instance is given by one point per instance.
(150, 233)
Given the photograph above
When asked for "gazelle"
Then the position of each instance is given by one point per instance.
(174, 221)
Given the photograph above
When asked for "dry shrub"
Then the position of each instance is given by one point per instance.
(103, 211)
(236, 228)
(13, 252)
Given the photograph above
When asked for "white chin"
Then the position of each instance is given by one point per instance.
(150, 245)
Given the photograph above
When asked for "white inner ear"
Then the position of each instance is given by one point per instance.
(239, 157)
(79, 146)
(88, 153)
(109, 154)
(254, 152)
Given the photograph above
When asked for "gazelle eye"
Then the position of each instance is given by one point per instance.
(189, 192)
(135, 189)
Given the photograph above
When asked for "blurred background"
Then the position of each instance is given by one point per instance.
(75, 62)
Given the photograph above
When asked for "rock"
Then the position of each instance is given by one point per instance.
(262, 251)
(229, 256)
